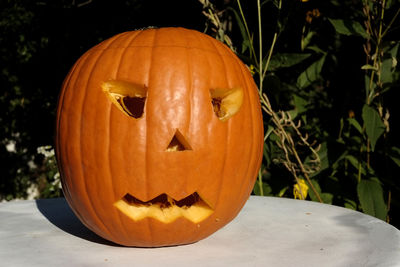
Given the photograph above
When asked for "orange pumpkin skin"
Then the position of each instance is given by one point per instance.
(104, 154)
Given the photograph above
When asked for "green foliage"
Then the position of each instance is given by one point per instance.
(286, 60)
(329, 73)
(310, 74)
(373, 124)
(370, 194)
(348, 27)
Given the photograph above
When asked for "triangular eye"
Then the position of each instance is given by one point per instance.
(226, 102)
(128, 97)
(178, 143)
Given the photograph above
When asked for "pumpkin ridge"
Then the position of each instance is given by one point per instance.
(89, 75)
(244, 189)
(61, 102)
(109, 135)
(188, 47)
(197, 234)
(191, 46)
(100, 55)
(149, 223)
(60, 105)
(189, 99)
(252, 171)
(83, 63)
(78, 138)
(209, 69)
(190, 81)
(225, 75)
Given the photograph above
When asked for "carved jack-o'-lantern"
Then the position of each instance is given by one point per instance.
(159, 137)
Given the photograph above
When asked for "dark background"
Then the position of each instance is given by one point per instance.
(39, 42)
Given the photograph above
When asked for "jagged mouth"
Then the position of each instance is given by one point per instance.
(164, 208)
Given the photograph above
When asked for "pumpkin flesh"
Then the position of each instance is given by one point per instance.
(164, 208)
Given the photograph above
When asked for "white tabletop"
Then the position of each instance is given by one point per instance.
(268, 232)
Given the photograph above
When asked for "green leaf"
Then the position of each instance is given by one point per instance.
(268, 132)
(386, 70)
(370, 195)
(323, 156)
(373, 124)
(395, 155)
(306, 40)
(393, 54)
(369, 67)
(286, 60)
(389, 4)
(264, 2)
(348, 27)
(246, 41)
(266, 189)
(327, 198)
(311, 74)
(293, 113)
(350, 204)
(367, 84)
(300, 104)
(283, 191)
(316, 49)
(336, 164)
(311, 193)
(276, 3)
(355, 163)
(355, 124)
(335, 3)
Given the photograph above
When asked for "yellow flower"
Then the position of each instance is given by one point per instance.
(252, 69)
(300, 189)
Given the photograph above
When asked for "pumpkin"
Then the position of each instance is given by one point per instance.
(159, 137)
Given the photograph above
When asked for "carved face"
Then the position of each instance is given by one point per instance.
(159, 137)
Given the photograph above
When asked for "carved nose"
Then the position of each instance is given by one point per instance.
(178, 143)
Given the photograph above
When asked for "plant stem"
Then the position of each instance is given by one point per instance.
(260, 183)
(253, 53)
(272, 45)
(377, 58)
(391, 23)
(270, 54)
(286, 142)
(260, 58)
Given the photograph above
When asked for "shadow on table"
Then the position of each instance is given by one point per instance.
(60, 214)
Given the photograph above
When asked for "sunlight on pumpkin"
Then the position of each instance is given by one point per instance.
(165, 209)
(226, 102)
(127, 97)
